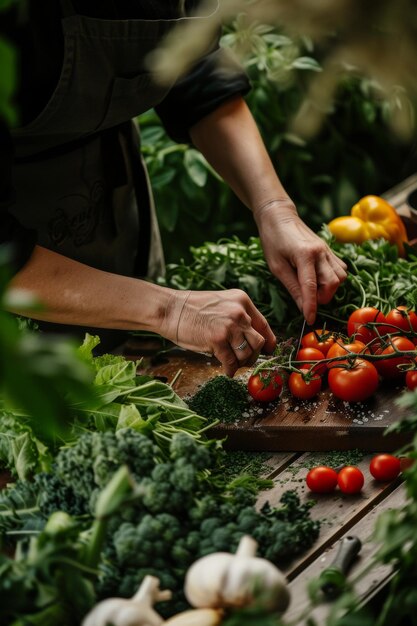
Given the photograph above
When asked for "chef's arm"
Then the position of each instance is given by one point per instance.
(229, 139)
(205, 321)
(77, 294)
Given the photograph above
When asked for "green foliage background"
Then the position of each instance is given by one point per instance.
(354, 154)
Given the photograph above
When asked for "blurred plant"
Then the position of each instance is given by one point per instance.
(354, 153)
(39, 375)
(377, 37)
(8, 73)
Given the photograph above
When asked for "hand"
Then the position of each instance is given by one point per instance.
(299, 258)
(225, 324)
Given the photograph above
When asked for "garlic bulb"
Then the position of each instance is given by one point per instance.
(196, 617)
(136, 611)
(223, 580)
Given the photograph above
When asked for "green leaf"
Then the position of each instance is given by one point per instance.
(8, 64)
(85, 351)
(120, 375)
(129, 417)
(196, 167)
(306, 63)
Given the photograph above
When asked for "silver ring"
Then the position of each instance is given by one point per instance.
(242, 346)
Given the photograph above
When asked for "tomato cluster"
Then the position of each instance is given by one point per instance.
(371, 336)
(350, 479)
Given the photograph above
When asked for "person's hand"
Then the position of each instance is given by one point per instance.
(299, 258)
(225, 324)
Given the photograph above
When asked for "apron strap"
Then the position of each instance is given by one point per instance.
(67, 8)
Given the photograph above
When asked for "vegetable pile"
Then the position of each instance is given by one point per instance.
(171, 504)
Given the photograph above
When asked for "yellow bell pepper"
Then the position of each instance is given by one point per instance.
(370, 218)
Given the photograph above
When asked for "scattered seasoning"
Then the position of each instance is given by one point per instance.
(334, 459)
(221, 398)
(238, 462)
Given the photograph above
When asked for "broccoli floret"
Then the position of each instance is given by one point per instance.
(55, 495)
(183, 447)
(184, 476)
(140, 544)
(207, 506)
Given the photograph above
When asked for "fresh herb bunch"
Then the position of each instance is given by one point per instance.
(220, 398)
(230, 263)
(377, 277)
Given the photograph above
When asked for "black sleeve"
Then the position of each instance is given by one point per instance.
(212, 80)
(12, 232)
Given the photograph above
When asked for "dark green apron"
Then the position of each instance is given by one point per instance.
(79, 177)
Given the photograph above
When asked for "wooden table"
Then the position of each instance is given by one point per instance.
(288, 424)
(341, 515)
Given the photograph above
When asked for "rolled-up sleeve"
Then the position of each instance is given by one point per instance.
(212, 80)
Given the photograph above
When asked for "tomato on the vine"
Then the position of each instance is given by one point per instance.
(360, 317)
(350, 479)
(304, 386)
(402, 318)
(385, 467)
(265, 386)
(343, 349)
(312, 354)
(388, 368)
(319, 339)
(411, 379)
(353, 382)
(322, 479)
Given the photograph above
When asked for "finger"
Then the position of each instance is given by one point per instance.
(247, 346)
(307, 279)
(328, 280)
(339, 262)
(228, 360)
(338, 266)
(261, 327)
(241, 347)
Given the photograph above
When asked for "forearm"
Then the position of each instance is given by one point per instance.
(231, 142)
(76, 294)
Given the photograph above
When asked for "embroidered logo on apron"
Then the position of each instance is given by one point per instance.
(77, 217)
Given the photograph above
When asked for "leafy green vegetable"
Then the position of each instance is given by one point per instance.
(376, 277)
(228, 264)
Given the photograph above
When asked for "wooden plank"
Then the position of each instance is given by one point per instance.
(278, 462)
(397, 196)
(367, 583)
(325, 423)
(337, 512)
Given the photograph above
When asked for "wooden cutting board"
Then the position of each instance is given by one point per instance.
(324, 423)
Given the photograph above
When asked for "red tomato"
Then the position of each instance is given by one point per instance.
(353, 384)
(302, 387)
(319, 339)
(350, 479)
(358, 318)
(311, 354)
(388, 368)
(385, 467)
(411, 379)
(322, 479)
(402, 318)
(265, 386)
(342, 349)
